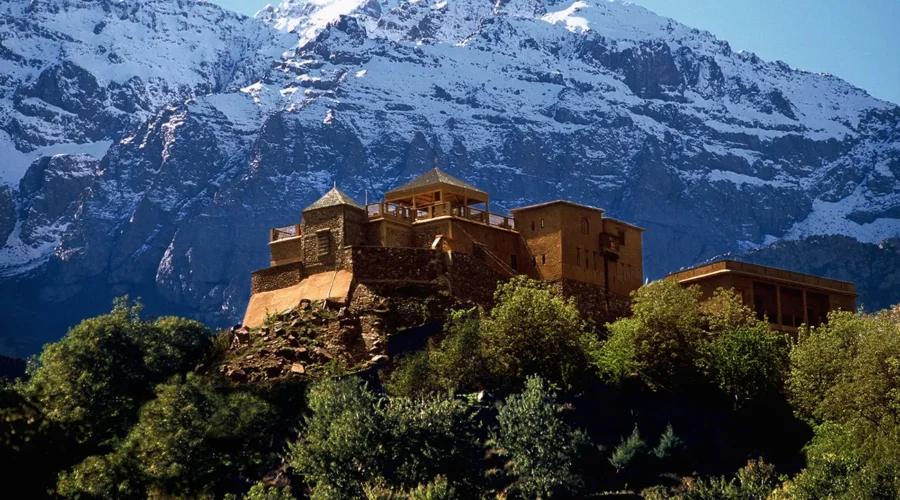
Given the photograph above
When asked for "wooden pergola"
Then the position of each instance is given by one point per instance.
(435, 188)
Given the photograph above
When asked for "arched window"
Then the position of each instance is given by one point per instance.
(585, 225)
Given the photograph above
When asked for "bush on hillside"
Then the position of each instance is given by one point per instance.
(542, 449)
(354, 442)
(845, 377)
(749, 363)
(530, 331)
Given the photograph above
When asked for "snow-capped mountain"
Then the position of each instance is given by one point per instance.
(164, 166)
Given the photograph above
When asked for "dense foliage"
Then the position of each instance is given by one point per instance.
(685, 399)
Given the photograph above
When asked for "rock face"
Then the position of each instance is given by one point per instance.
(210, 127)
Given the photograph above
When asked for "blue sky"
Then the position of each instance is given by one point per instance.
(858, 41)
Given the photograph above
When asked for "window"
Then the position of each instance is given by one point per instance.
(437, 196)
(544, 259)
(534, 262)
(514, 261)
(585, 225)
(621, 237)
(323, 242)
(577, 256)
(595, 261)
(532, 225)
(587, 259)
(542, 223)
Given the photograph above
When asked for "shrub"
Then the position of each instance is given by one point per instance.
(755, 481)
(542, 449)
(355, 445)
(341, 441)
(186, 439)
(668, 444)
(628, 450)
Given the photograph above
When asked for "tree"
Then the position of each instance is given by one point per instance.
(755, 481)
(355, 444)
(749, 363)
(531, 331)
(94, 380)
(845, 378)
(628, 450)
(186, 440)
(341, 442)
(658, 344)
(543, 450)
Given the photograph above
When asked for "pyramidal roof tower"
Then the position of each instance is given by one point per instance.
(333, 198)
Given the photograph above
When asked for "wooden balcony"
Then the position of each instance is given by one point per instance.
(609, 244)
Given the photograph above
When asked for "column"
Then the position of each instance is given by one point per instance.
(778, 301)
(805, 310)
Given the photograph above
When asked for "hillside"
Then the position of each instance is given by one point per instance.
(166, 157)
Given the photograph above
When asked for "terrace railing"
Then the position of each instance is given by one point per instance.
(379, 210)
(389, 210)
(285, 232)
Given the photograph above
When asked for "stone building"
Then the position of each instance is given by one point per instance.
(788, 299)
(437, 229)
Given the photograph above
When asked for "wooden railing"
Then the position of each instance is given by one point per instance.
(379, 210)
(389, 210)
(285, 232)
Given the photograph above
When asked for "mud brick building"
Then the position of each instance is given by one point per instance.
(788, 299)
(437, 231)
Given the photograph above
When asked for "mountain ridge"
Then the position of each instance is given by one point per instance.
(663, 125)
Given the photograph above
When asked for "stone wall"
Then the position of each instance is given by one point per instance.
(593, 302)
(344, 226)
(397, 264)
(274, 278)
(472, 279)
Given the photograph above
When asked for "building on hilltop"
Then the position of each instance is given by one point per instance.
(788, 299)
(439, 229)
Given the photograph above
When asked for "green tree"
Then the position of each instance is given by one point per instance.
(668, 444)
(658, 344)
(845, 378)
(459, 363)
(186, 440)
(542, 448)
(532, 331)
(755, 481)
(354, 444)
(263, 491)
(93, 381)
(342, 439)
(628, 451)
(747, 362)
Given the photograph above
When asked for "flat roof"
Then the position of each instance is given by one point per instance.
(772, 273)
(546, 204)
(624, 223)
